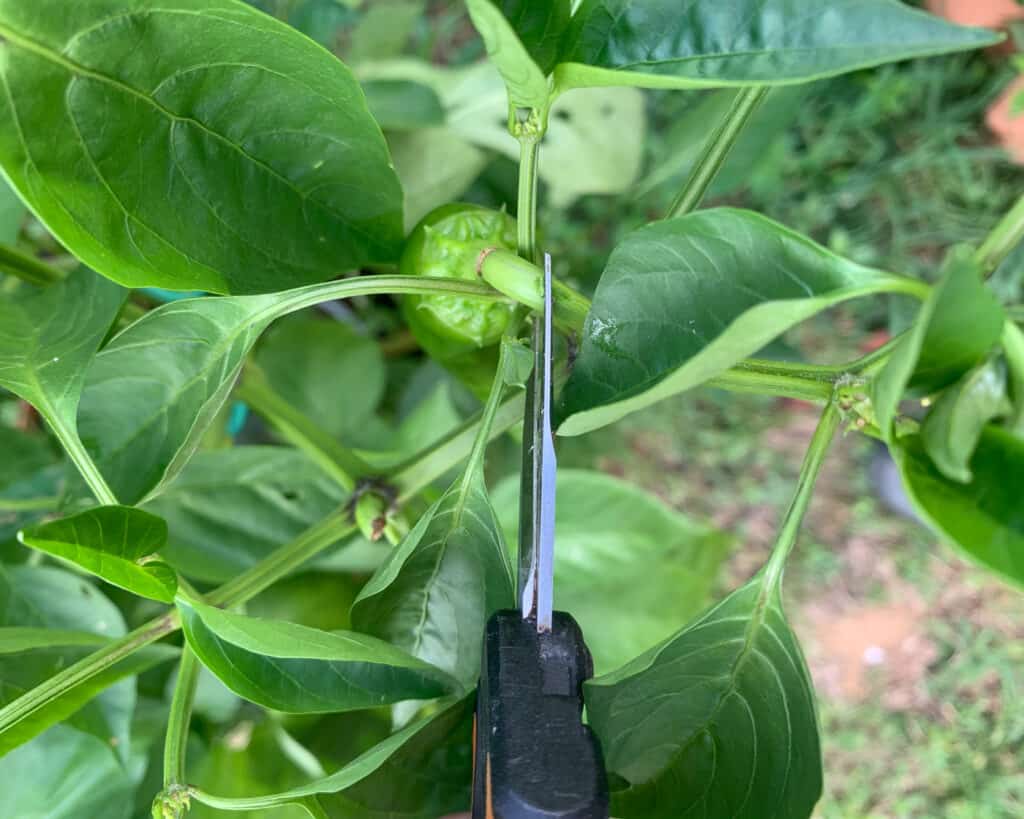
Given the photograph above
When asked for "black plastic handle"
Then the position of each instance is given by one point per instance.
(534, 758)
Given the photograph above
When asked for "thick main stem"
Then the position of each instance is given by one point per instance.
(717, 149)
(526, 206)
(176, 740)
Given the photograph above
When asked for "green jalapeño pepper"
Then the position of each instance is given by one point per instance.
(460, 333)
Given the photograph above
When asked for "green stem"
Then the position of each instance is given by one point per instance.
(813, 460)
(300, 298)
(336, 460)
(523, 281)
(74, 675)
(244, 587)
(27, 268)
(283, 561)
(526, 207)
(782, 379)
(28, 504)
(414, 476)
(176, 740)
(1004, 237)
(716, 150)
(73, 446)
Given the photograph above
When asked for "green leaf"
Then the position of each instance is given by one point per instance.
(436, 166)
(44, 605)
(302, 670)
(325, 370)
(109, 542)
(662, 44)
(685, 140)
(539, 25)
(12, 214)
(951, 430)
(527, 86)
(401, 105)
(984, 517)
(48, 336)
(383, 30)
(65, 774)
(152, 175)
(617, 542)
(155, 388)
(682, 300)
(719, 720)
(955, 329)
(431, 759)
(588, 151)
(230, 508)
(434, 593)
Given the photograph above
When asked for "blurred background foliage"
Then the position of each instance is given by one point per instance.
(918, 657)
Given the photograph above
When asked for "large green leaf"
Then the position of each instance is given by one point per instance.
(697, 44)
(192, 144)
(434, 593)
(59, 619)
(955, 329)
(952, 429)
(420, 772)
(65, 774)
(618, 543)
(540, 26)
(314, 364)
(717, 721)
(983, 517)
(48, 337)
(527, 86)
(230, 508)
(156, 387)
(110, 542)
(298, 669)
(682, 300)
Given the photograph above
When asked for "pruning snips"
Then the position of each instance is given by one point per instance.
(534, 758)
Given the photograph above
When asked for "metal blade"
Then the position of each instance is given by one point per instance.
(537, 484)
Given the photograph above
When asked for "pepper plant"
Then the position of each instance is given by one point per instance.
(201, 145)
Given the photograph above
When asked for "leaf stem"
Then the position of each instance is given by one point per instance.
(76, 451)
(300, 298)
(1004, 237)
(813, 460)
(26, 267)
(336, 460)
(716, 150)
(176, 740)
(808, 382)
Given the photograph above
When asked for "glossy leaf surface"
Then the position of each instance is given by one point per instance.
(983, 517)
(298, 669)
(540, 25)
(45, 348)
(65, 774)
(684, 299)
(431, 759)
(719, 720)
(237, 147)
(155, 388)
(951, 430)
(109, 541)
(627, 567)
(230, 508)
(955, 329)
(527, 86)
(434, 593)
(696, 44)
